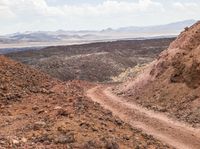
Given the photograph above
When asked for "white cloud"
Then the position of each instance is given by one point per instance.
(186, 6)
(33, 7)
(110, 7)
(106, 7)
(5, 12)
(38, 15)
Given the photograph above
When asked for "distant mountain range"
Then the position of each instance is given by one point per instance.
(69, 37)
(172, 28)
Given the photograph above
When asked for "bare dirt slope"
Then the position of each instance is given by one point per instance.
(171, 83)
(172, 132)
(92, 62)
(38, 111)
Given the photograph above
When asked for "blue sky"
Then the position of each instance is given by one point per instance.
(33, 15)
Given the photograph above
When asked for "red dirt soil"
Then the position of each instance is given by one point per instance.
(38, 111)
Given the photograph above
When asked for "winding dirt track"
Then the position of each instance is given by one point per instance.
(174, 133)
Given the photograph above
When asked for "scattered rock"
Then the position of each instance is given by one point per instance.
(57, 108)
(62, 112)
(38, 125)
(65, 138)
(24, 140)
(35, 108)
(111, 145)
(14, 141)
(119, 122)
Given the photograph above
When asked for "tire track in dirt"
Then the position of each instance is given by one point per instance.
(174, 133)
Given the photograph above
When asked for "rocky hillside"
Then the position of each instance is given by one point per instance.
(92, 62)
(171, 83)
(37, 111)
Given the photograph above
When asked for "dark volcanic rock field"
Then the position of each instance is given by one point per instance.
(92, 62)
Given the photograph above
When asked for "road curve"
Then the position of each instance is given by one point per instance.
(174, 133)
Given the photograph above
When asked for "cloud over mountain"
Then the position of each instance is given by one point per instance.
(21, 15)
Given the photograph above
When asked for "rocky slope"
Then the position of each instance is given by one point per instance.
(171, 83)
(92, 62)
(40, 112)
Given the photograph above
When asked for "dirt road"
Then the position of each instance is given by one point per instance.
(171, 132)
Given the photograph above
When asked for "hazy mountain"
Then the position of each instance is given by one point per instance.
(62, 37)
(175, 27)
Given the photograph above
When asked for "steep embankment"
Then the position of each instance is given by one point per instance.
(171, 83)
(38, 111)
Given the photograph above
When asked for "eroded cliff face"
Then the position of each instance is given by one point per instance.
(172, 82)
